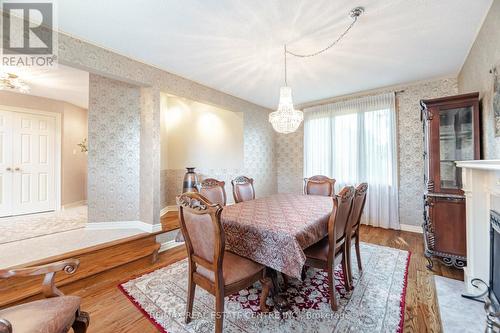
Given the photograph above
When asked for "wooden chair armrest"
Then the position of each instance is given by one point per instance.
(49, 289)
(5, 326)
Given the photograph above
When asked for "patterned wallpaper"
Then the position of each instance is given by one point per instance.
(150, 156)
(411, 146)
(290, 147)
(149, 81)
(475, 76)
(290, 161)
(114, 150)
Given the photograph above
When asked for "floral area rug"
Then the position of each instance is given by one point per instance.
(375, 305)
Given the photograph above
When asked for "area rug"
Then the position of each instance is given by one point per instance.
(17, 228)
(375, 305)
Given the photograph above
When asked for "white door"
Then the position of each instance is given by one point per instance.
(32, 168)
(6, 169)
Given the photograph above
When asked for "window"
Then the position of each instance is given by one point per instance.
(354, 142)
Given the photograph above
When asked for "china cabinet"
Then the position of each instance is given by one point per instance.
(451, 133)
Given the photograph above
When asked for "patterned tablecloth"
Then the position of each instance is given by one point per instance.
(274, 230)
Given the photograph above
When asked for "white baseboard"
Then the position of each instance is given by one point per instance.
(146, 227)
(170, 245)
(167, 209)
(412, 228)
(74, 204)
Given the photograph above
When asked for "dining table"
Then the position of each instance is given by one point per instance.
(275, 230)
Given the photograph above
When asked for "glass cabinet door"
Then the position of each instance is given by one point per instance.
(456, 143)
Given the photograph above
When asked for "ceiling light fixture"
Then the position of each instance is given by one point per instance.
(9, 81)
(286, 119)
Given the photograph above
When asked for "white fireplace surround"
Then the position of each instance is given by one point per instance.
(481, 184)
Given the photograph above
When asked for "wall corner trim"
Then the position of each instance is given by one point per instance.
(170, 245)
(146, 227)
(167, 209)
(411, 228)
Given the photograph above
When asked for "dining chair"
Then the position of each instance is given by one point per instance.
(327, 253)
(213, 190)
(54, 314)
(319, 185)
(243, 189)
(211, 267)
(358, 204)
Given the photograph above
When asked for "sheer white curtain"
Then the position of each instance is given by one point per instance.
(355, 141)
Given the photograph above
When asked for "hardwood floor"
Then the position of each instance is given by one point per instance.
(111, 311)
(421, 313)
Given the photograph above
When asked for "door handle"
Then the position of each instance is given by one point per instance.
(8, 169)
(17, 169)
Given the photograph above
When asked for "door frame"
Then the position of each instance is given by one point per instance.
(57, 149)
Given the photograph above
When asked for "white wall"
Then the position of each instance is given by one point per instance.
(201, 135)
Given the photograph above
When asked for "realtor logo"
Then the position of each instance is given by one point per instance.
(28, 37)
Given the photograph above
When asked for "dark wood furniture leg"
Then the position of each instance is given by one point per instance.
(358, 258)
(358, 252)
(219, 307)
(279, 299)
(190, 297)
(266, 288)
(346, 271)
(81, 323)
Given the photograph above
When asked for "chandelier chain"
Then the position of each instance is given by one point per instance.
(284, 54)
(355, 13)
(286, 119)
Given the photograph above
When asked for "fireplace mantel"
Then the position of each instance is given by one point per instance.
(480, 164)
(481, 185)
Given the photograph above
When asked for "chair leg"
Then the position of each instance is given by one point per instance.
(285, 281)
(266, 286)
(349, 265)
(190, 299)
(303, 274)
(358, 253)
(345, 271)
(82, 321)
(331, 282)
(219, 311)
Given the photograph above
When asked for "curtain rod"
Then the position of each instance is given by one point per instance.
(342, 98)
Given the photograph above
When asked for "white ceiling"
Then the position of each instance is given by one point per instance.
(60, 83)
(236, 45)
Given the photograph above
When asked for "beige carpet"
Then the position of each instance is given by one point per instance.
(376, 304)
(34, 225)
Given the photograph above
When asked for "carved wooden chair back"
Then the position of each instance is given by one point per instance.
(202, 230)
(213, 190)
(342, 205)
(319, 185)
(243, 189)
(358, 205)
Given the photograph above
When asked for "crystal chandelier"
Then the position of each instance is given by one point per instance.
(286, 119)
(9, 81)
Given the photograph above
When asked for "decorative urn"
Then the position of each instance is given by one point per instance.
(190, 181)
